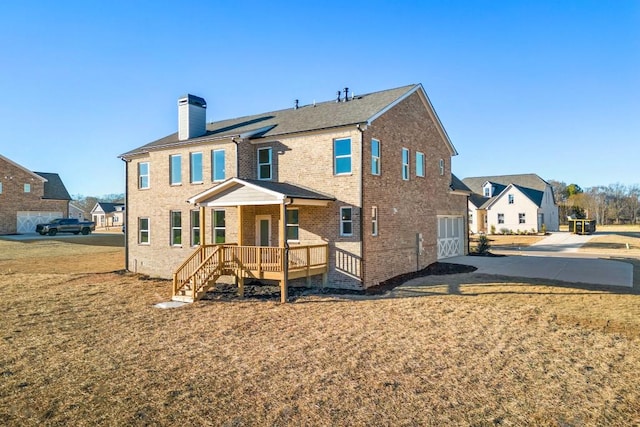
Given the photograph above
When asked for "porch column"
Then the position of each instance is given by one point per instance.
(203, 228)
(282, 233)
(240, 240)
(282, 230)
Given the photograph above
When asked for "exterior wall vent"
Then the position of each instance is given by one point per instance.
(192, 117)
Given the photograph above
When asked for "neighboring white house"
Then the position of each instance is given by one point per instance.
(107, 215)
(76, 211)
(511, 203)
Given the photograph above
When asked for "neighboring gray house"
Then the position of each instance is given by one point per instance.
(511, 202)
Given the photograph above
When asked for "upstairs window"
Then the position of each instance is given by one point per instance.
(195, 168)
(521, 219)
(510, 199)
(217, 165)
(176, 228)
(500, 218)
(405, 164)
(27, 188)
(143, 175)
(175, 169)
(346, 222)
(419, 164)
(441, 165)
(264, 163)
(0, 187)
(375, 157)
(342, 156)
(293, 225)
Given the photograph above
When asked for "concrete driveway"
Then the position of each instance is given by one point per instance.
(555, 258)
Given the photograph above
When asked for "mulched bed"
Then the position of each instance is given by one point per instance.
(269, 291)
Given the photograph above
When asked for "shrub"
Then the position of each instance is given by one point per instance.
(493, 229)
(504, 231)
(543, 229)
(483, 245)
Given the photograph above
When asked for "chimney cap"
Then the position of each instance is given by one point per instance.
(192, 100)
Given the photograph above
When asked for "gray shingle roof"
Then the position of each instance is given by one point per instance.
(54, 188)
(529, 180)
(458, 185)
(108, 207)
(322, 115)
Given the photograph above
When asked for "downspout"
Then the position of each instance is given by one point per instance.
(126, 213)
(362, 246)
(237, 156)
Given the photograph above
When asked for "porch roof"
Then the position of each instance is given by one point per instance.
(244, 192)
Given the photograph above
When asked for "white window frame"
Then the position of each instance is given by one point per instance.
(510, 199)
(195, 227)
(143, 178)
(441, 165)
(27, 187)
(217, 228)
(420, 164)
(374, 221)
(500, 218)
(375, 158)
(192, 169)
(0, 187)
(522, 219)
(269, 163)
(142, 231)
(406, 155)
(344, 222)
(342, 156)
(175, 180)
(214, 170)
(173, 227)
(292, 225)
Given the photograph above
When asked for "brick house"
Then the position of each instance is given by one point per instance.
(28, 198)
(523, 202)
(346, 193)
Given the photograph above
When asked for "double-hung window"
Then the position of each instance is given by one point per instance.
(375, 157)
(521, 219)
(346, 221)
(195, 227)
(500, 218)
(195, 167)
(27, 188)
(293, 224)
(143, 231)
(0, 187)
(218, 226)
(405, 164)
(342, 156)
(176, 228)
(175, 169)
(265, 165)
(143, 175)
(441, 165)
(217, 165)
(374, 220)
(419, 164)
(510, 199)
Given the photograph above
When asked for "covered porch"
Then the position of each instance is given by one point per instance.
(261, 251)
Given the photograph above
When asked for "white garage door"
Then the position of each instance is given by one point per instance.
(450, 236)
(27, 221)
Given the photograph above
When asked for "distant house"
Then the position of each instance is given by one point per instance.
(107, 215)
(351, 192)
(28, 198)
(76, 211)
(511, 203)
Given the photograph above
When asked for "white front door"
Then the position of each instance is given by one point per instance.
(263, 230)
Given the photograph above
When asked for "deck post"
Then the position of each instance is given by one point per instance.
(240, 286)
(240, 241)
(203, 223)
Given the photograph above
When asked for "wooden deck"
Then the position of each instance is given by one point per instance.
(209, 262)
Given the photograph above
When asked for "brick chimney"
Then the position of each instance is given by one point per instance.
(192, 117)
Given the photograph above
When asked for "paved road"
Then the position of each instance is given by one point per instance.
(555, 257)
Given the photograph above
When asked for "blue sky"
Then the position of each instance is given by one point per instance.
(549, 87)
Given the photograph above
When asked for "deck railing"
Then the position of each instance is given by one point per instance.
(247, 261)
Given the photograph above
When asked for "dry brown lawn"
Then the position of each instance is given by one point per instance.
(80, 348)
